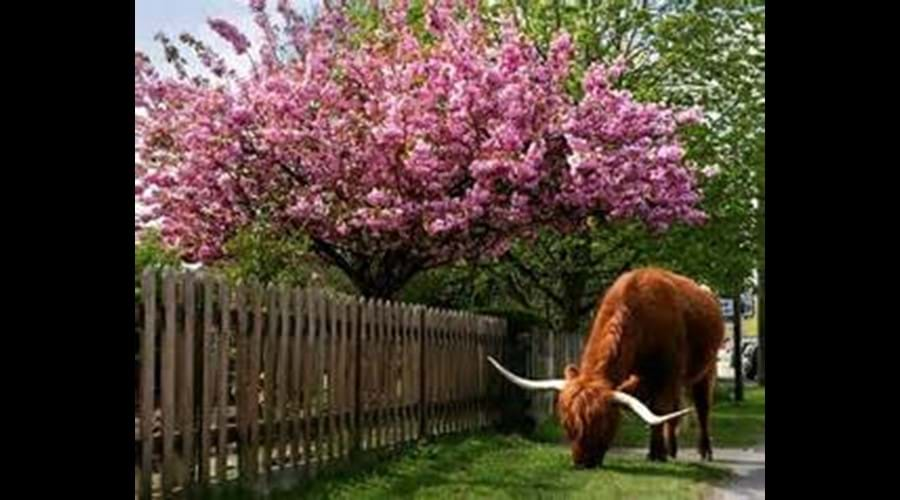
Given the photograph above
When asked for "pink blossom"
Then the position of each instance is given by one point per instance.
(377, 197)
(381, 143)
(561, 50)
(670, 153)
(689, 116)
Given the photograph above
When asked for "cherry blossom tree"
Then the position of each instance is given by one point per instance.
(399, 149)
(710, 54)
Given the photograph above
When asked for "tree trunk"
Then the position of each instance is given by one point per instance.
(570, 322)
(378, 277)
(761, 351)
(738, 358)
(573, 294)
(761, 328)
(377, 289)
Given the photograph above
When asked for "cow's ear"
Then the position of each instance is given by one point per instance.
(571, 371)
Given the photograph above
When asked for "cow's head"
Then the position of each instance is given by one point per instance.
(589, 410)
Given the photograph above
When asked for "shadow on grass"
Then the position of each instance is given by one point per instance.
(732, 425)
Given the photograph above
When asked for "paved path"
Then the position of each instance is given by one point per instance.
(748, 464)
(750, 467)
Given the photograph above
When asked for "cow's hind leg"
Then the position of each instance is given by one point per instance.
(702, 396)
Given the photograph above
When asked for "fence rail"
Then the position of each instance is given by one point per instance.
(238, 382)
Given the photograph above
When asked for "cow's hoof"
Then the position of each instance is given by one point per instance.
(706, 455)
(657, 457)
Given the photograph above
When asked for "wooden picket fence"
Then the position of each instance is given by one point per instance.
(237, 383)
(548, 354)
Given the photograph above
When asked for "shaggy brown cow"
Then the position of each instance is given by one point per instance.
(655, 332)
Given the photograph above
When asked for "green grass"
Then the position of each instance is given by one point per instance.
(507, 467)
(732, 424)
(493, 466)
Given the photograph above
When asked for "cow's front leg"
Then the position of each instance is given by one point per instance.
(663, 438)
(633, 385)
(657, 444)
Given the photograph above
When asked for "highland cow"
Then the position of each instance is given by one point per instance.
(655, 334)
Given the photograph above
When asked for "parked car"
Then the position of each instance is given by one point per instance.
(750, 359)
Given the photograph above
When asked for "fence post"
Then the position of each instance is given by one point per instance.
(423, 424)
(551, 365)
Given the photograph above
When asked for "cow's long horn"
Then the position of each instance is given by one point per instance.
(533, 385)
(642, 411)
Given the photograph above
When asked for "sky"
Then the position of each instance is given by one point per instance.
(174, 17)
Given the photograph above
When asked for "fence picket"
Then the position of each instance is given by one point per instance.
(148, 356)
(253, 399)
(270, 347)
(297, 378)
(223, 349)
(283, 361)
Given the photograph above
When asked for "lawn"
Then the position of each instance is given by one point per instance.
(494, 466)
(508, 467)
(733, 424)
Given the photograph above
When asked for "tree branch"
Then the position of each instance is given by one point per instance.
(299, 179)
(517, 291)
(249, 149)
(609, 278)
(243, 197)
(615, 248)
(535, 280)
(634, 31)
(558, 16)
(329, 252)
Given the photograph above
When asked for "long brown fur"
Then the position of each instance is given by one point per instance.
(654, 334)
